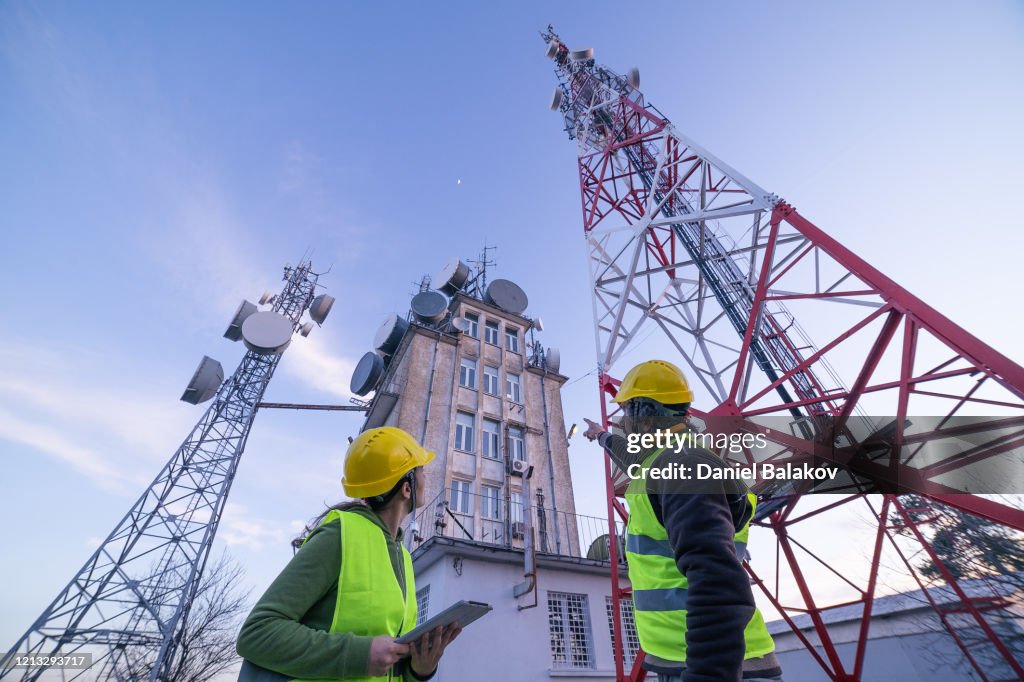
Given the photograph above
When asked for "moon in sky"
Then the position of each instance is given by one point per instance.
(459, 181)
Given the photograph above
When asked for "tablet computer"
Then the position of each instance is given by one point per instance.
(461, 612)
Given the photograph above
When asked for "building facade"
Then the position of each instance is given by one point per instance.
(499, 524)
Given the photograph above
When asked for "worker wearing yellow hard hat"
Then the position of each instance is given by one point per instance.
(335, 610)
(693, 606)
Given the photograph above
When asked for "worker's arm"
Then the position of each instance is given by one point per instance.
(273, 635)
(615, 446)
(700, 520)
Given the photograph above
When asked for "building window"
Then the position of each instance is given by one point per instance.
(491, 332)
(462, 499)
(569, 627)
(629, 635)
(492, 432)
(490, 503)
(464, 431)
(467, 373)
(473, 325)
(422, 603)
(512, 391)
(515, 507)
(491, 380)
(512, 339)
(516, 445)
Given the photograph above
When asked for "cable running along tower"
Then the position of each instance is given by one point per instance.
(736, 282)
(128, 604)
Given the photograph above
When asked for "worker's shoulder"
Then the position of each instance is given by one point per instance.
(688, 454)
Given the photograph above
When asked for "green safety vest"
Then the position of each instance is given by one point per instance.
(659, 589)
(370, 600)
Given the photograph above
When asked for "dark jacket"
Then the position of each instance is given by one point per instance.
(701, 521)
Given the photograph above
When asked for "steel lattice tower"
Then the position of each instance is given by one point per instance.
(680, 243)
(128, 604)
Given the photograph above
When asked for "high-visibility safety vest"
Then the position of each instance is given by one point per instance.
(659, 589)
(370, 600)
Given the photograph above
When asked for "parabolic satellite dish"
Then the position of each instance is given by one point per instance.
(267, 333)
(390, 334)
(507, 295)
(452, 277)
(321, 307)
(429, 306)
(208, 377)
(234, 331)
(367, 373)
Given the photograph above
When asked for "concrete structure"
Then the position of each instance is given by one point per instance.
(906, 640)
(488, 403)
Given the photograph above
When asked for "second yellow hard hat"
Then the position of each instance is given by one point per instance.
(658, 380)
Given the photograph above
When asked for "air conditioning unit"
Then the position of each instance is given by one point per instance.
(518, 467)
(518, 529)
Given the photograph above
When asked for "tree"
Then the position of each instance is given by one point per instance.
(207, 646)
(985, 557)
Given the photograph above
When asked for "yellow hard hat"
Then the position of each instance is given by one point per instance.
(378, 458)
(657, 380)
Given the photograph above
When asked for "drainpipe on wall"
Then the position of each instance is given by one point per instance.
(551, 465)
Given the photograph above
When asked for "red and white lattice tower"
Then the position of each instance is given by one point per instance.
(736, 281)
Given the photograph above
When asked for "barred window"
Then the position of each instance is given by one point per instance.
(491, 380)
(516, 448)
(515, 507)
(629, 636)
(464, 431)
(491, 332)
(490, 503)
(422, 603)
(569, 627)
(492, 432)
(462, 499)
(512, 388)
(467, 373)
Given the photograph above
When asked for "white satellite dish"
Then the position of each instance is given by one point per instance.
(538, 324)
(580, 55)
(552, 359)
(266, 297)
(552, 50)
(556, 99)
(267, 333)
(234, 331)
(321, 307)
(207, 378)
(634, 78)
(306, 329)
(460, 323)
(452, 277)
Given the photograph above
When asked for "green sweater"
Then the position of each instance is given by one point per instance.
(288, 630)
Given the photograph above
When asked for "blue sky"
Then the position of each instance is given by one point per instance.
(162, 162)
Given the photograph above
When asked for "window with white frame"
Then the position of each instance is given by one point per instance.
(491, 332)
(515, 507)
(490, 503)
(467, 373)
(629, 635)
(516, 444)
(473, 325)
(491, 380)
(462, 498)
(464, 431)
(512, 339)
(422, 603)
(512, 388)
(572, 645)
(491, 436)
